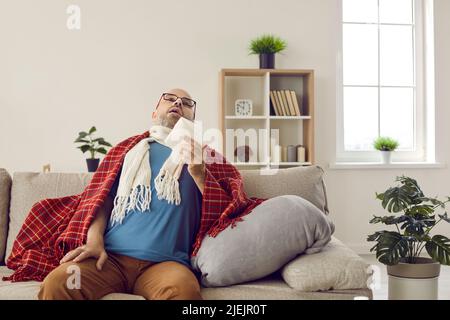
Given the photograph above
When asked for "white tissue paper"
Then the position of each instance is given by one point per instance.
(183, 128)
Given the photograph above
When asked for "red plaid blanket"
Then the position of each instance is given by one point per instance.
(55, 226)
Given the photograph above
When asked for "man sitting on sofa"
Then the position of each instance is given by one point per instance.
(144, 252)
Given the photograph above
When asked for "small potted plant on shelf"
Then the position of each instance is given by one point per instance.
(266, 46)
(411, 275)
(92, 145)
(386, 146)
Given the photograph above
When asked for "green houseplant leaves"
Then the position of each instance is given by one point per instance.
(413, 226)
(267, 43)
(92, 145)
(438, 249)
(385, 144)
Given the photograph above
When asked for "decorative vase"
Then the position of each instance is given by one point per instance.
(301, 153)
(291, 153)
(267, 60)
(92, 164)
(386, 156)
(414, 281)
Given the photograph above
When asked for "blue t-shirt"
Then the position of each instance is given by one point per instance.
(165, 231)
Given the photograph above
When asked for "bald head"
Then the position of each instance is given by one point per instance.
(180, 92)
(174, 104)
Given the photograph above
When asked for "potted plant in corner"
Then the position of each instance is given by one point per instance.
(386, 146)
(266, 46)
(93, 146)
(410, 275)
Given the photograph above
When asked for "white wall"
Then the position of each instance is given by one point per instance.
(55, 82)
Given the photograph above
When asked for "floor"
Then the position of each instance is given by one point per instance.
(381, 293)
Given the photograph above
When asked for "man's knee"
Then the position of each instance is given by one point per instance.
(61, 284)
(182, 287)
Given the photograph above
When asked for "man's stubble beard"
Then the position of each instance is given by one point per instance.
(163, 121)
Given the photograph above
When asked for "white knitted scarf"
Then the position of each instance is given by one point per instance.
(133, 192)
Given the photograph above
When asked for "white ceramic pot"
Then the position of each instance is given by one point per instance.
(414, 281)
(386, 156)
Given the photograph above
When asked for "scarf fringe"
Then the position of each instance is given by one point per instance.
(139, 199)
(167, 187)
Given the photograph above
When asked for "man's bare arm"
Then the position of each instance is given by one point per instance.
(98, 225)
(94, 246)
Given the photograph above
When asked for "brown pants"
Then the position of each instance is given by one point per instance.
(152, 280)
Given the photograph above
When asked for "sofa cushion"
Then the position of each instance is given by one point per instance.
(272, 287)
(5, 188)
(336, 267)
(31, 187)
(306, 182)
(274, 233)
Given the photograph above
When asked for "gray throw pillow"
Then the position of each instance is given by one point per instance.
(270, 236)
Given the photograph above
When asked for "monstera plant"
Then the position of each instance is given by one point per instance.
(417, 218)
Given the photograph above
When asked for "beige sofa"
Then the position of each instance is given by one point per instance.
(19, 193)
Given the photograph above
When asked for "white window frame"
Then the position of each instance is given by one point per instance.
(424, 93)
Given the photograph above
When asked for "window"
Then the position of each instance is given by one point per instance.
(382, 78)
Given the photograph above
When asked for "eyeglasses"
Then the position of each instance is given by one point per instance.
(187, 102)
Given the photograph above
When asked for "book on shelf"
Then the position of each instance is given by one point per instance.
(277, 104)
(296, 104)
(278, 101)
(283, 106)
(290, 103)
(285, 103)
(274, 103)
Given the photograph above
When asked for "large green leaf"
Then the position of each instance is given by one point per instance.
(92, 130)
(392, 246)
(395, 199)
(84, 148)
(104, 143)
(101, 150)
(416, 225)
(388, 220)
(439, 249)
(422, 209)
(410, 186)
(375, 236)
(101, 141)
(81, 140)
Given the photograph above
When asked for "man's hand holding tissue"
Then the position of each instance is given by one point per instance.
(191, 153)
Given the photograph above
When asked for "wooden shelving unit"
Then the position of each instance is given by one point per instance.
(256, 84)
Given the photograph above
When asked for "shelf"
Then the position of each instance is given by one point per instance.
(265, 117)
(392, 165)
(245, 117)
(262, 72)
(290, 117)
(283, 164)
(249, 163)
(256, 85)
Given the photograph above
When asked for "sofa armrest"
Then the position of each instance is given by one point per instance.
(5, 194)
